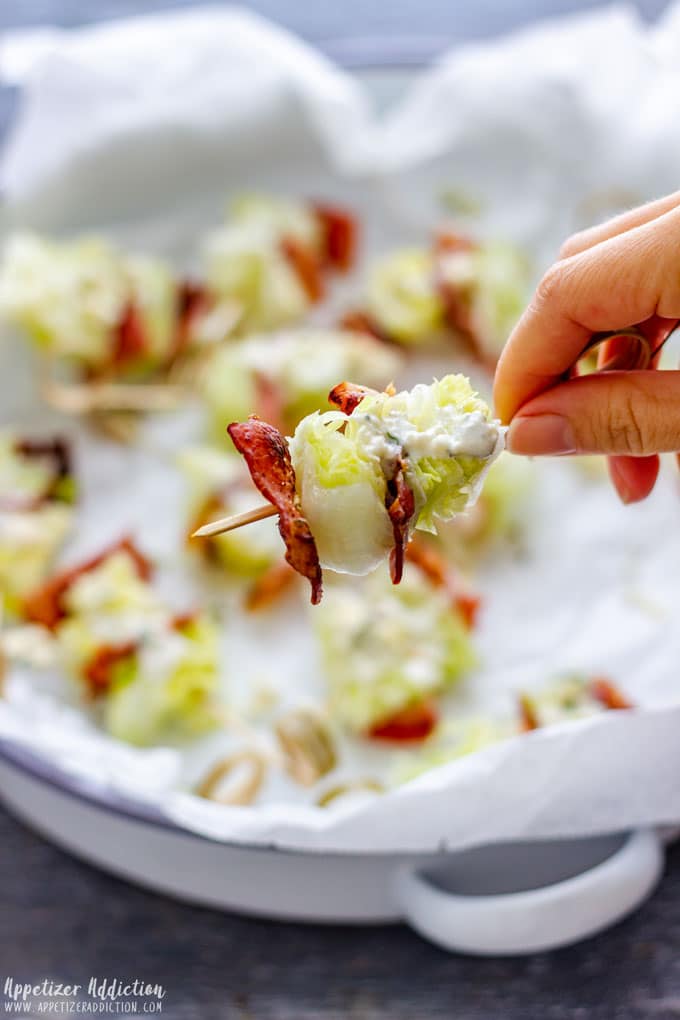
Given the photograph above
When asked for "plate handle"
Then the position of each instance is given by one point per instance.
(536, 919)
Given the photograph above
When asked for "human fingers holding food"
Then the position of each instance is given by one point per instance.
(624, 273)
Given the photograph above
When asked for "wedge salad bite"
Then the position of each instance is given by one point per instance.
(471, 290)
(353, 484)
(285, 375)
(273, 256)
(151, 673)
(219, 484)
(37, 495)
(105, 314)
(388, 652)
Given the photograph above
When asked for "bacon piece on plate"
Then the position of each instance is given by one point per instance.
(608, 694)
(415, 722)
(528, 719)
(306, 266)
(45, 606)
(341, 236)
(443, 575)
(358, 321)
(98, 673)
(130, 338)
(269, 586)
(266, 453)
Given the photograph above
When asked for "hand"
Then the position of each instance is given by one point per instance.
(625, 272)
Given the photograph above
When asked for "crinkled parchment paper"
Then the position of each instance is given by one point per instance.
(140, 129)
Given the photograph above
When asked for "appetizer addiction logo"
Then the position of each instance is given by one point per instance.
(99, 996)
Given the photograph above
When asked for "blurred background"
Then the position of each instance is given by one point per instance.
(354, 31)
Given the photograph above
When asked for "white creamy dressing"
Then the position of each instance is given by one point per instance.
(452, 435)
(160, 655)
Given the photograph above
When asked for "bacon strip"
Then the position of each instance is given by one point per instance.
(130, 338)
(306, 266)
(341, 236)
(266, 453)
(347, 396)
(358, 321)
(401, 506)
(55, 450)
(442, 575)
(193, 300)
(528, 719)
(413, 723)
(269, 400)
(448, 242)
(269, 586)
(457, 310)
(608, 694)
(45, 606)
(98, 673)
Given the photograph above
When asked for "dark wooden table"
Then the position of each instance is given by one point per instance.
(62, 920)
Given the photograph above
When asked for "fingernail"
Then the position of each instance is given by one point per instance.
(620, 482)
(541, 434)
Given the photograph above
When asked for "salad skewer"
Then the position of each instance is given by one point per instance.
(352, 484)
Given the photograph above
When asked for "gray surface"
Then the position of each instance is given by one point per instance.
(61, 919)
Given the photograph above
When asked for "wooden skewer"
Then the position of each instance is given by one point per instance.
(260, 513)
(77, 398)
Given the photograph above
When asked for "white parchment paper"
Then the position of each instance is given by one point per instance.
(140, 129)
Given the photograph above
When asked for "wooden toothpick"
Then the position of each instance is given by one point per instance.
(260, 513)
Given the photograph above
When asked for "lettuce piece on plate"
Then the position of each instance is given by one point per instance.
(286, 375)
(453, 739)
(219, 485)
(472, 290)
(490, 282)
(152, 677)
(85, 302)
(386, 650)
(37, 489)
(272, 256)
(402, 297)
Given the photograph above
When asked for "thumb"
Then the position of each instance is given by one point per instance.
(631, 413)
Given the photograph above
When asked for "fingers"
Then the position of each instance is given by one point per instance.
(624, 280)
(630, 413)
(619, 224)
(633, 477)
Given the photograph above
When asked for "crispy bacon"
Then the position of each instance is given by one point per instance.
(443, 575)
(269, 402)
(193, 300)
(415, 722)
(180, 621)
(306, 266)
(266, 453)
(45, 606)
(401, 506)
(269, 586)
(358, 321)
(98, 673)
(130, 339)
(341, 236)
(55, 450)
(347, 396)
(528, 719)
(448, 242)
(608, 694)
(457, 308)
